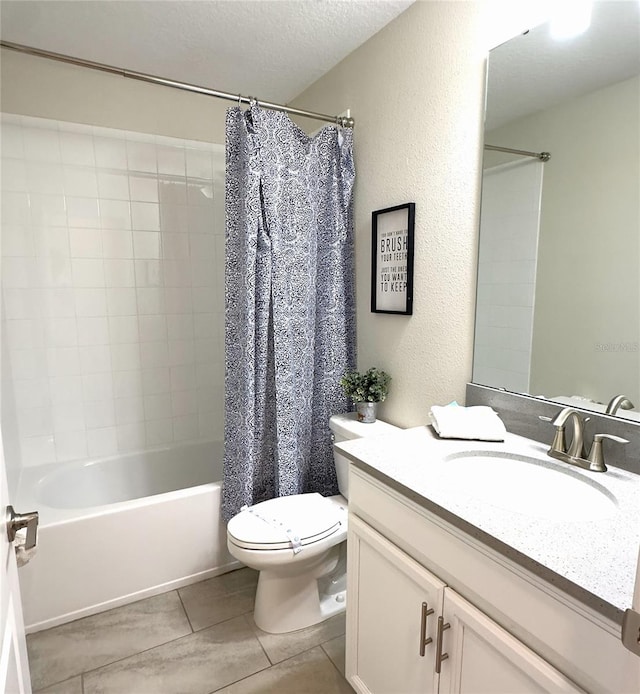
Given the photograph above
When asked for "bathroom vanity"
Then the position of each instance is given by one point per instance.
(458, 586)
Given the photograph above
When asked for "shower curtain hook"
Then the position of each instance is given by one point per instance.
(239, 100)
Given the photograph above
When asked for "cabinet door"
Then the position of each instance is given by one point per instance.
(485, 659)
(388, 594)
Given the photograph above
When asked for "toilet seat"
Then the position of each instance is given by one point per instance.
(285, 522)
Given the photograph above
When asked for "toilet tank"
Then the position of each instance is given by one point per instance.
(345, 427)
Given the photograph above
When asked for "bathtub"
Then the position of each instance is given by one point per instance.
(116, 530)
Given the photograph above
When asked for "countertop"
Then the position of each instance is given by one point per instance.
(593, 560)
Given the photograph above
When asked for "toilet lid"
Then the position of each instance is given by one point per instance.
(285, 522)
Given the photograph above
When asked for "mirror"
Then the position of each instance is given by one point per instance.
(558, 304)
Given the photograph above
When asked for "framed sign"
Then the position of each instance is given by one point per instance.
(392, 259)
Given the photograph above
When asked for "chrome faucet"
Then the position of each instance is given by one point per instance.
(619, 402)
(576, 453)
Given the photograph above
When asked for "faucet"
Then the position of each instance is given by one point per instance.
(576, 453)
(619, 402)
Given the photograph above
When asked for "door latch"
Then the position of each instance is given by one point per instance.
(18, 521)
(631, 631)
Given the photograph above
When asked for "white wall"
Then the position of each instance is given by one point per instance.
(416, 90)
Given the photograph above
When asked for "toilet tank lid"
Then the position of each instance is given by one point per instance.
(347, 426)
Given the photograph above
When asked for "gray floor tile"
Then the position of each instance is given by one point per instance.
(240, 579)
(196, 664)
(72, 686)
(282, 646)
(335, 650)
(206, 606)
(308, 673)
(59, 653)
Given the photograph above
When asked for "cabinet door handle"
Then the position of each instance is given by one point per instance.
(424, 642)
(440, 656)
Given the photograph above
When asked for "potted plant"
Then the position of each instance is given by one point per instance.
(366, 390)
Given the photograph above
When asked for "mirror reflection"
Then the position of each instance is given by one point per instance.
(558, 308)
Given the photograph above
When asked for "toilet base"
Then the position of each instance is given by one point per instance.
(287, 603)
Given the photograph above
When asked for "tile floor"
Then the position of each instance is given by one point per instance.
(195, 640)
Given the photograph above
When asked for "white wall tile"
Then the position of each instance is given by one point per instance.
(41, 145)
(123, 329)
(91, 302)
(113, 186)
(102, 442)
(37, 450)
(71, 445)
(85, 243)
(117, 244)
(159, 431)
(35, 422)
(95, 358)
(129, 410)
(87, 272)
(121, 301)
(145, 216)
(83, 212)
(142, 157)
(127, 384)
(68, 417)
(115, 214)
(185, 428)
(125, 357)
(153, 328)
(146, 244)
(171, 160)
(157, 406)
(99, 414)
(80, 181)
(84, 295)
(93, 331)
(131, 437)
(61, 332)
(156, 381)
(119, 273)
(143, 189)
(110, 153)
(77, 148)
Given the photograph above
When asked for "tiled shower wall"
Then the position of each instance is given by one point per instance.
(509, 227)
(112, 290)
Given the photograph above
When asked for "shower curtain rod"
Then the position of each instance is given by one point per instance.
(345, 121)
(543, 156)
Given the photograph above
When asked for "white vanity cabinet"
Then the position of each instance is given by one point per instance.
(508, 630)
(397, 611)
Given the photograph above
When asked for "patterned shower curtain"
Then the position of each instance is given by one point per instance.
(289, 304)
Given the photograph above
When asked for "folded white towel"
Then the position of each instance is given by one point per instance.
(479, 423)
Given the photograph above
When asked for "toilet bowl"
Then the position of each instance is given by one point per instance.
(298, 544)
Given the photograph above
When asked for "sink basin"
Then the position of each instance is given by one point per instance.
(529, 486)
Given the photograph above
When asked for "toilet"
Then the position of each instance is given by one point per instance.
(298, 544)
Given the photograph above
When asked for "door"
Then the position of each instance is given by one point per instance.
(479, 657)
(392, 607)
(14, 667)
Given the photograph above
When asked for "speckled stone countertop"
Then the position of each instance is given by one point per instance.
(592, 559)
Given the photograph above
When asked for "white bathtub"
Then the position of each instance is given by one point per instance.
(119, 529)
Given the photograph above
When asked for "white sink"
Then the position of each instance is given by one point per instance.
(529, 486)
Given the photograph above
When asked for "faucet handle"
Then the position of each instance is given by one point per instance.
(596, 456)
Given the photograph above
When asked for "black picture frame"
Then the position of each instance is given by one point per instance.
(392, 232)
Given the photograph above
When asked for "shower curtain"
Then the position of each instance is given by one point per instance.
(289, 304)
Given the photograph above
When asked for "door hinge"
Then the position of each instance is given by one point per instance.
(631, 631)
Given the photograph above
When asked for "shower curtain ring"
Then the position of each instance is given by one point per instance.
(239, 100)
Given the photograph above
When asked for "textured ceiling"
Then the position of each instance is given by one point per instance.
(270, 49)
(534, 71)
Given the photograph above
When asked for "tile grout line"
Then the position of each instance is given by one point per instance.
(250, 624)
(184, 609)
